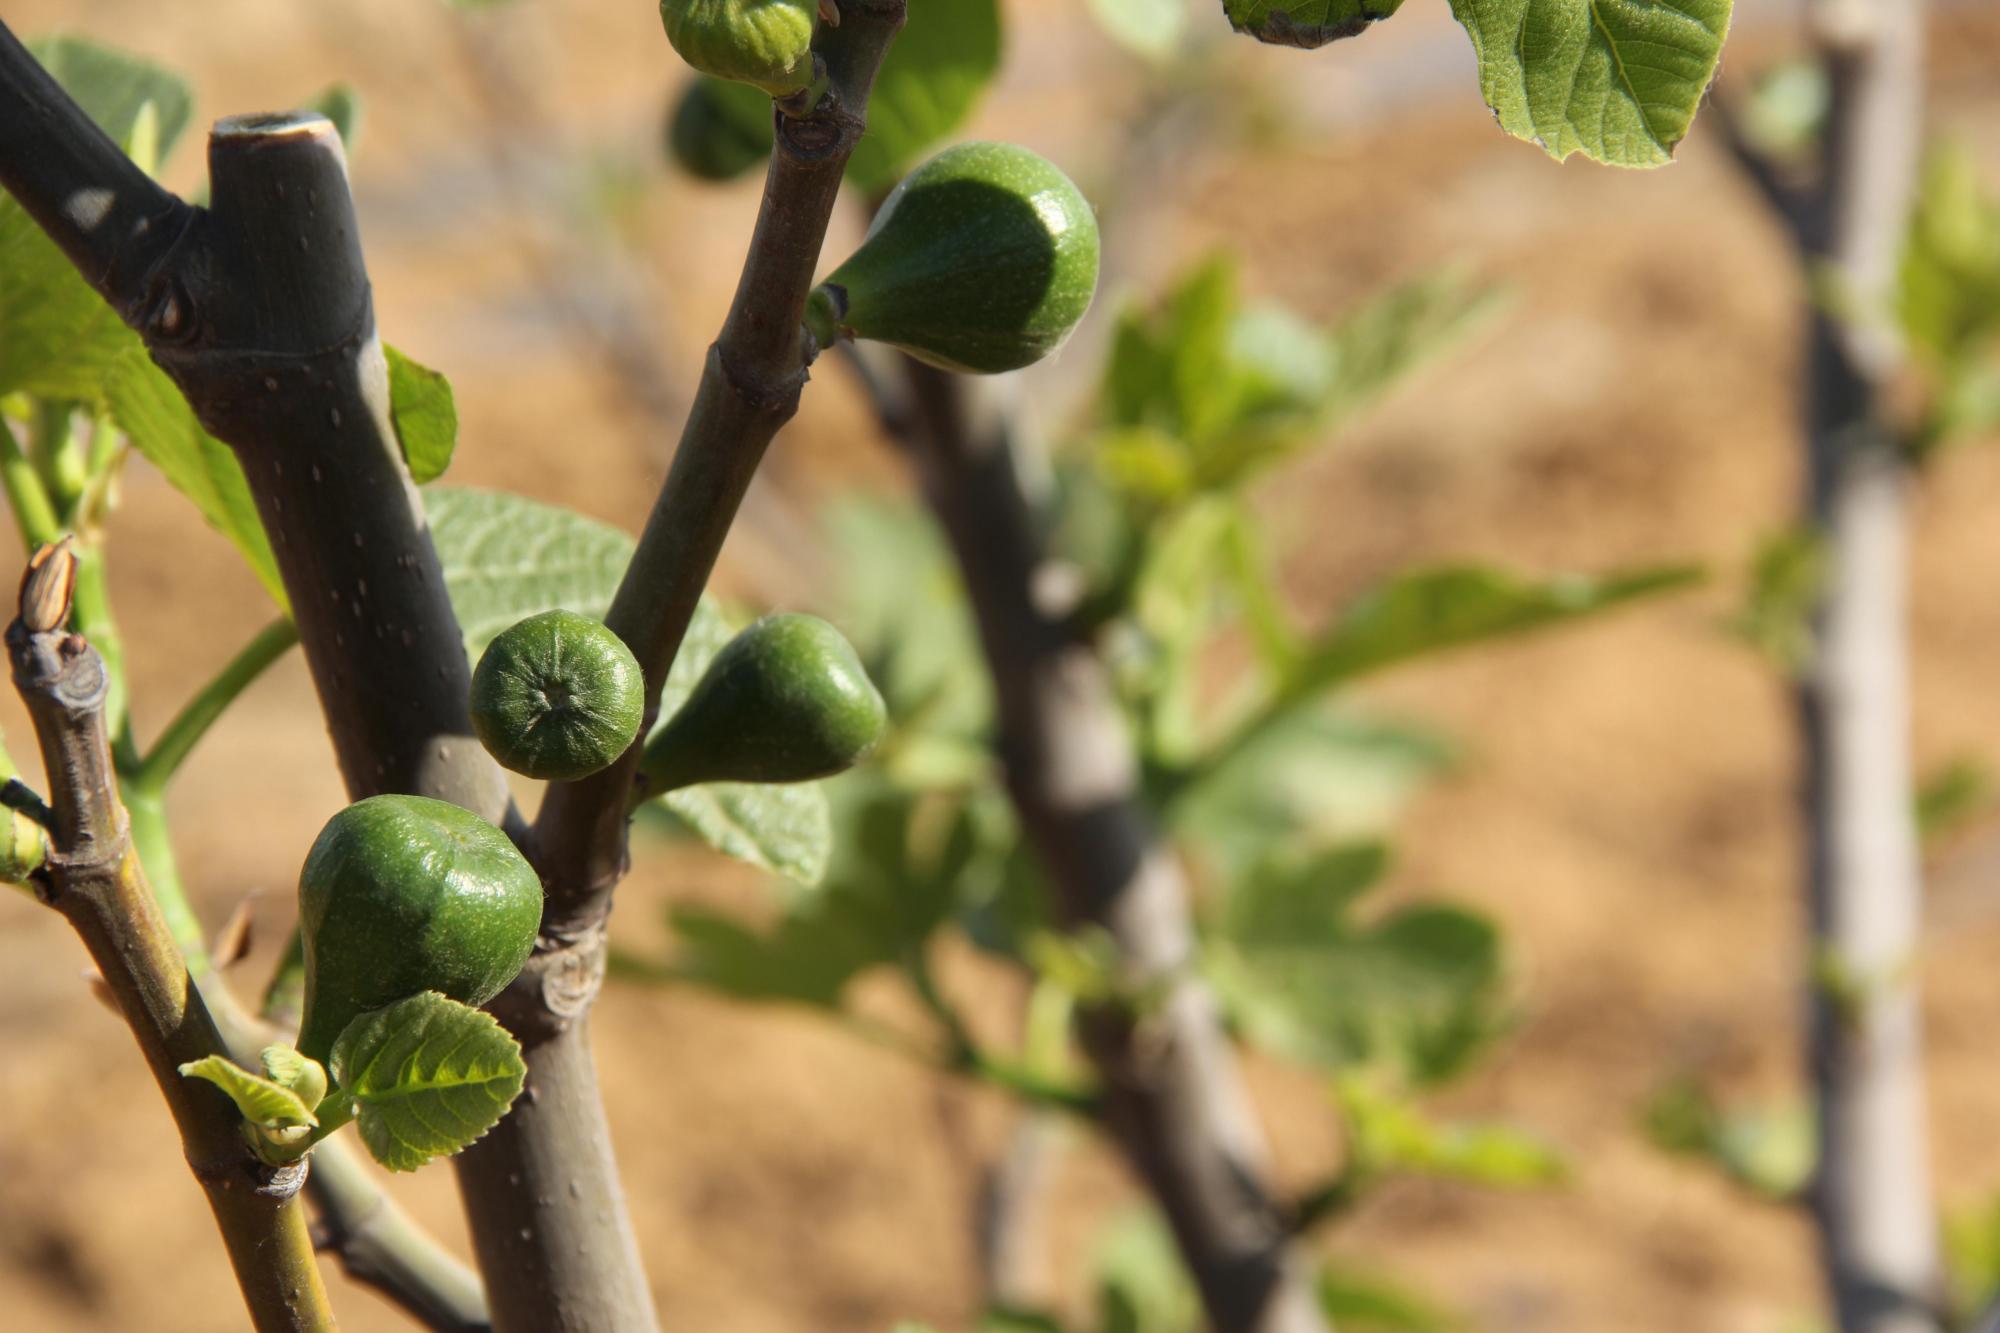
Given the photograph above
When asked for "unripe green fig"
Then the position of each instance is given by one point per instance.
(403, 894)
(719, 131)
(557, 696)
(784, 701)
(984, 259)
(764, 43)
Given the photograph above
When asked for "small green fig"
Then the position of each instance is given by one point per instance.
(402, 894)
(557, 696)
(719, 131)
(764, 43)
(984, 259)
(784, 701)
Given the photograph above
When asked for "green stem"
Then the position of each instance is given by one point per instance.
(749, 388)
(53, 446)
(34, 512)
(333, 1115)
(200, 713)
(968, 1057)
(148, 817)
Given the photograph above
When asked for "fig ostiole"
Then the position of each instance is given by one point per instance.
(404, 894)
(786, 700)
(764, 43)
(557, 696)
(983, 260)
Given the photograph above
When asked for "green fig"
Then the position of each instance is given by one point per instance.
(984, 259)
(719, 131)
(403, 894)
(784, 701)
(557, 696)
(764, 43)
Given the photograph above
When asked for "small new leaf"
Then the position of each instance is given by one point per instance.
(264, 1102)
(425, 416)
(1306, 23)
(1616, 80)
(1390, 1134)
(427, 1075)
(287, 1068)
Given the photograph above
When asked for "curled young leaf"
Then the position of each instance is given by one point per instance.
(264, 1102)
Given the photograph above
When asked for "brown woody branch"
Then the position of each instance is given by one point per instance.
(94, 880)
(260, 309)
(1173, 1097)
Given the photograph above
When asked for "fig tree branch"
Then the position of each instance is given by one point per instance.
(112, 220)
(259, 308)
(749, 388)
(94, 879)
(1171, 1096)
(1871, 1196)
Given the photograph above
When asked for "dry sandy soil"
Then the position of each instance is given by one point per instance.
(1626, 805)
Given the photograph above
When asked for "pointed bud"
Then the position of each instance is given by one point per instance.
(47, 586)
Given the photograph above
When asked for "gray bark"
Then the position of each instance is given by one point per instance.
(1174, 1099)
(1872, 1194)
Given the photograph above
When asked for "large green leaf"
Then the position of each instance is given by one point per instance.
(941, 61)
(888, 889)
(1400, 330)
(903, 608)
(1433, 610)
(1415, 992)
(1306, 23)
(429, 1076)
(1616, 80)
(1361, 1302)
(1206, 390)
(506, 558)
(783, 828)
(151, 412)
(112, 86)
(1321, 777)
(57, 337)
